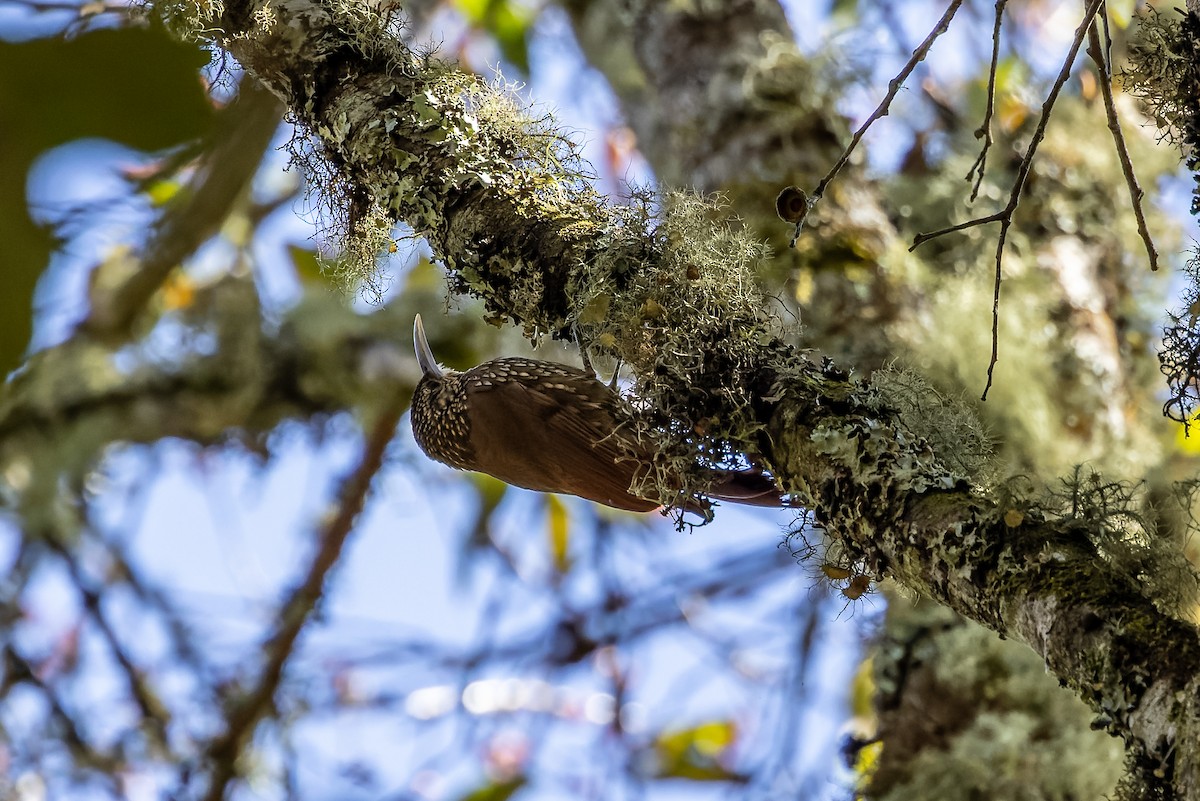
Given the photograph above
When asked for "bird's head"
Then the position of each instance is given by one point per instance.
(439, 407)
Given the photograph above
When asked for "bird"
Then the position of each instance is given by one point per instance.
(548, 427)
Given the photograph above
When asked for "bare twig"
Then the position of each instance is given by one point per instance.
(894, 86)
(107, 764)
(181, 636)
(1005, 215)
(155, 716)
(984, 131)
(244, 714)
(1114, 124)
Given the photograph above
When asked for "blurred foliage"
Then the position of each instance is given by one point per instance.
(987, 723)
(58, 90)
(496, 791)
(606, 591)
(507, 21)
(697, 752)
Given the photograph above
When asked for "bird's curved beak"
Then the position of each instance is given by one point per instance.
(429, 365)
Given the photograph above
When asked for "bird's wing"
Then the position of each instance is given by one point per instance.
(555, 435)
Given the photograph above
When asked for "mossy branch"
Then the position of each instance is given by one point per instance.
(507, 208)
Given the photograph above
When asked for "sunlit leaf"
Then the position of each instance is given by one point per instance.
(694, 753)
(1187, 437)
(497, 791)
(507, 22)
(558, 532)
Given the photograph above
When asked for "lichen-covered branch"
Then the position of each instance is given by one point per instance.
(502, 204)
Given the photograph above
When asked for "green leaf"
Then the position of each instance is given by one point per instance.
(497, 791)
(695, 753)
(508, 23)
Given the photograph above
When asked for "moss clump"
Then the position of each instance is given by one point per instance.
(1164, 72)
(949, 425)
(675, 295)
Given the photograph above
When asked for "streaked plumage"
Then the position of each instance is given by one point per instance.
(543, 426)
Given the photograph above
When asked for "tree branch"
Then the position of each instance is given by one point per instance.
(410, 137)
(984, 131)
(1004, 216)
(243, 715)
(1136, 194)
(244, 131)
(894, 87)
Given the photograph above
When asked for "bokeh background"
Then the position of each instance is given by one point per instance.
(476, 641)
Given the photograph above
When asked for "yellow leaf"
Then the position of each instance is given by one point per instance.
(709, 739)
(558, 533)
(1186, 441)
(161, 193)
(179, 291)
(1120, 12)
(868, 760)
(713, 738)
(695, 753)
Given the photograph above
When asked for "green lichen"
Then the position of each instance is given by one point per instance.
(953, 430)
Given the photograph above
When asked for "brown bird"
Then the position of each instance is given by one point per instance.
(546, 427)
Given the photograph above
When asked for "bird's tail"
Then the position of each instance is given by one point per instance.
(751, 487)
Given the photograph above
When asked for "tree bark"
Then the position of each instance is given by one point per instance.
(411, 139)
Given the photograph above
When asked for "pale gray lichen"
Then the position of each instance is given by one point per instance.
(952, 429)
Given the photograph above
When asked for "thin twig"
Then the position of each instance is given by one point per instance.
(1114, 124)
(155, 716)
(185, 650)
(245, 713)
(1005, 216)
(884, 106)
(106, 765)
(984, 131)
